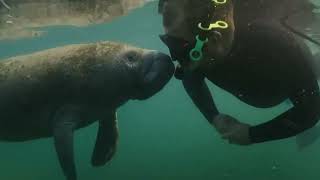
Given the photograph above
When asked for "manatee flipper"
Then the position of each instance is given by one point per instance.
(308, 137)
(106, 141)
(64, 125)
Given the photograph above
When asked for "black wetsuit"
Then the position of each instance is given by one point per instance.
(266, 66)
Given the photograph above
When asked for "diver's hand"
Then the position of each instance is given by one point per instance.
(232, 130)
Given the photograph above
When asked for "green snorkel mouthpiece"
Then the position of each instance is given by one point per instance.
(196, 53)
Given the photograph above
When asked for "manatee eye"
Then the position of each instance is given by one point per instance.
(131, 57)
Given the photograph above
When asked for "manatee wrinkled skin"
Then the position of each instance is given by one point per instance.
(54, 92)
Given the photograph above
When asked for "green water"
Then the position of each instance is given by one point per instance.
(163, 138)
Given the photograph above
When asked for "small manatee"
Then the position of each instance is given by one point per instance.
(54, 92)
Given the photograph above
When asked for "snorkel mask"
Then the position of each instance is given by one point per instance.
(187, 52)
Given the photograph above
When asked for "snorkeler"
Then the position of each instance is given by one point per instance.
(261, 63)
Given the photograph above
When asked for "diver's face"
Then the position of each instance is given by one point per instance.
(177, 15)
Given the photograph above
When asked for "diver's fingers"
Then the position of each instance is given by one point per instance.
(227, 135)
(223, 123)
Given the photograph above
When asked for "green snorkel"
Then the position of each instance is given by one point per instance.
(196, 53)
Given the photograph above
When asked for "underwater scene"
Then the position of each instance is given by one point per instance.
(117, 89)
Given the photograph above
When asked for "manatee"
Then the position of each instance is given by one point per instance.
(54, 92)
(18, 18)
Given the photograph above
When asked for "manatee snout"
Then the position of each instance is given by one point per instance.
(156, 70)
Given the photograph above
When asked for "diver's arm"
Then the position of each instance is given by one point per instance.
(302, 116)
(199, 92)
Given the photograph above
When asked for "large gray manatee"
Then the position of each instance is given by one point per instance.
(54, 92)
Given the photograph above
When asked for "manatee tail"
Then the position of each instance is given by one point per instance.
(308, 137)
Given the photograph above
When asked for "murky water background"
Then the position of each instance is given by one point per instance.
(164, 137)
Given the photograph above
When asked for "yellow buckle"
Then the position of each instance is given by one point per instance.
(217, 25)
(220, 1)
